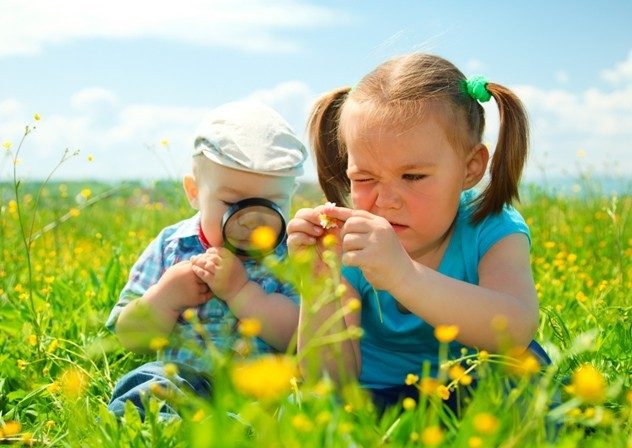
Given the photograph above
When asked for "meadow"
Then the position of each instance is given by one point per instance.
(67, 248)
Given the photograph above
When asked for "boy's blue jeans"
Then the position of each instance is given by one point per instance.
(138, 382)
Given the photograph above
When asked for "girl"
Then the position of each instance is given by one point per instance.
(405, 144)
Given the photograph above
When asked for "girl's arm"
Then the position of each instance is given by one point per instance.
(318, 325)
(505, 297)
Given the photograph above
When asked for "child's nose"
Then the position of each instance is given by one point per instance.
(386, 197)
(251, 220)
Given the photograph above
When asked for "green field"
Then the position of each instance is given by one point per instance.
(66, 250)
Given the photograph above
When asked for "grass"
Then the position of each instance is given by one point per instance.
(58, 364)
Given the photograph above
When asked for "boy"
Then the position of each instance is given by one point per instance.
(242, 150)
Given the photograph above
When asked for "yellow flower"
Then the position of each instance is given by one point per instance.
(86, 193)
(411, 379)
(409, 403)
(164, 142)
(327, 222)
(266, 378)
(52, 346)
(443, 392)
(189, 314)
(7, 145)
(74, 212)
(22, 364)
(475, 442)
(428, 386)
(589, 384)
(323, 417)
(302, 423)
(90, 157)
(446, 333)
(171, 370)
(485, 423)
(158, 343)
(263, 238)
(32, 339)
(249, 327)
(11, 428)
(198, 416)
(549, 245)
(354, 305)
(37, 117)
(523, 363)
(432, 435)
(73, 383)
(330, 240)
(457, 372)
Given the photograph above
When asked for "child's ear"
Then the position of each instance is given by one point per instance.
(191, 190)
(476, 165)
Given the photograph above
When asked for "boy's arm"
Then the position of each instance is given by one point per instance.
(156, 312)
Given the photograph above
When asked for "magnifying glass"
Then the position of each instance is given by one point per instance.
(246, 221)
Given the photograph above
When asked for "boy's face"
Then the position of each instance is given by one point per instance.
(214, 188)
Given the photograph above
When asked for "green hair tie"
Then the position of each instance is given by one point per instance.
(477, 88)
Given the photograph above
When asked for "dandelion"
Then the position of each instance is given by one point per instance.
(409, 404)
(164, 142)
(52, 346)
(457, 372)
(263, 238)
(348, 408)
(7, 145)
(588, 384)
(11, 428)
(475, 442)
(323, 417)
(443, 392)
(432, 435)
(549, 245)
(74, 212)
(485, 423)
(428, 386)
(22, 364)
(36, 116)
(73, 383)
(446, 333)
(158, 343)
(265, 378)
(249, 328)
(86, 193)
(523, 363)
(90, 157)
(32, 340)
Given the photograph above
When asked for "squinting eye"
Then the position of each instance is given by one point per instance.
(413, 177)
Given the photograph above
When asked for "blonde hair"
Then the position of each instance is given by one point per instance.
(398, 91)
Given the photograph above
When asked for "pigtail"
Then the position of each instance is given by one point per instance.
(329, 153)
(510, 154)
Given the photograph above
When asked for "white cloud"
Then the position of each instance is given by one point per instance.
(124, 140)
(597, 121)
(621, 73)
(252, 25)
(562, 77)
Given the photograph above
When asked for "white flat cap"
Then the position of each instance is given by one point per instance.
(250, 136)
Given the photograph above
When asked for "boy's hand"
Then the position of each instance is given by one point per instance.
(222, 271)
(179, 288)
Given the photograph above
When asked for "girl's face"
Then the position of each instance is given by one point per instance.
(411, 176)
(217, 187)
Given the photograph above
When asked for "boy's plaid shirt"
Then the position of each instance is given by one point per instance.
(180, 242)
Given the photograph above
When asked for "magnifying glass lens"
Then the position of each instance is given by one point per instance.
(253, 226)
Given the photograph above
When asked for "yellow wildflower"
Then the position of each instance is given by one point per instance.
(485, 423)
(432, 435)
(302, 423)
(589, 384)
(265, 378)
(11, 428)
(74, 212)
(52, 346)
(198, 416)
(164, 142)
(446, 333)
(263, 238)
(32, 339)
(171, 370)
(330, 240)
(323, 417)
(36, 116)
(409, 403)
(354, 305)
(523, 363)
(443, 392)
(73, 383)
(90, 157)
(457, 372)
(428, 386)
(411, 379)
(189, 314)
(249, 327)
(475, 442)
(86, 193)
(158, 343)
(7, 145)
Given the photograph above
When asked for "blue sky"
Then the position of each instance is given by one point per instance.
(114, 79)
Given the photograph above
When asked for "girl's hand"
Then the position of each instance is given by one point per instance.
(222, 271)
(370, 243)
